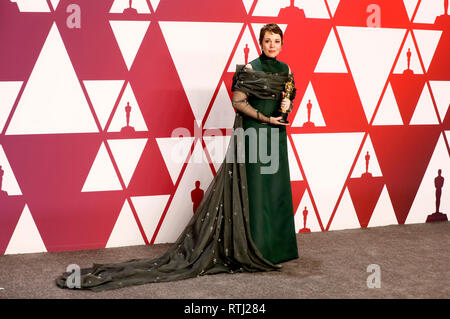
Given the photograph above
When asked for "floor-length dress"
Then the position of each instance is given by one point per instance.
(218, 238)
(270, 195)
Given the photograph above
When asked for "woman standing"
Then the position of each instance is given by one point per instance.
(270, 195)
(244, 222)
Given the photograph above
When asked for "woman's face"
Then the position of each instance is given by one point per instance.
(271, 44)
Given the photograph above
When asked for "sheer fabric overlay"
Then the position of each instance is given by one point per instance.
(263, 85)
(260, 84)
(216, 240)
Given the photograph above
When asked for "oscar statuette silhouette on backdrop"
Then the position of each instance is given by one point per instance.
(128, 128)
(309, 108)
(291, 13)
(246, 52)
(443, 19)
(438, 216)
(408, 71)
(304, 229)
(365, 191)
(197, 195)
(130, 11)
(366, 174)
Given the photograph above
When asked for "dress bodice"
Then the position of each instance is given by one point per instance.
(267, 64)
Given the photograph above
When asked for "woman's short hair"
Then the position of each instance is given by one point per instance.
(270, 27)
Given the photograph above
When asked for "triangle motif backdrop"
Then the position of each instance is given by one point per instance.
(107, 125)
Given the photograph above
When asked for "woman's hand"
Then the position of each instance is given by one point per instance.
(276, 121)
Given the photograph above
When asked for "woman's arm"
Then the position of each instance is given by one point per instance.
(240, 103)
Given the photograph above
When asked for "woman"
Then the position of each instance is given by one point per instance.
(235, 208)
(270, 196)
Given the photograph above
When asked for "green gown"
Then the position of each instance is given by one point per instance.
(219, 236)
(270, 195)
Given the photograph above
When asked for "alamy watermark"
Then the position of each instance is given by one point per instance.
(74, 279)
(73, 20)
(374, 19)
(263, 147)
(374, 279)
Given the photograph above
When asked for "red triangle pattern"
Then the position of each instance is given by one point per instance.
(407, 90)
(51, 169)
(365, 192)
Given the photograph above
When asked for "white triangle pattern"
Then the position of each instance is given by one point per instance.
(424, 112)
(410, 6)
(32, 5)
(54, 4)
(333, 4)
(103, 95)
(55, 88)
(126, 231)
(441, 93)
(247, 4)
(345, 216)
(429, 10)
(211, 54)
(402, 62)
(102, 176)
(222, 113)
(129, 36)
(239, 55)
(427, 41)
(268, 8)
(302, 113)
(136, 119)
(374, 166)
(175, 151)
(331, 60)
(326, 159)
(149, 210)
(383, 213)
(127, 153)
(370, 53)
(26, 237)
(154, 4)
(388, 112)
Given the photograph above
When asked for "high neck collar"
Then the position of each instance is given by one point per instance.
(264, 57)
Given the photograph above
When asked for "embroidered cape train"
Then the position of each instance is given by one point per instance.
(217, 239)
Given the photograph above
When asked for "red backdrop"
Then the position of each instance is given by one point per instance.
(78, 174)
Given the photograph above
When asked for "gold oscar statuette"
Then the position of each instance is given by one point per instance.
(289, 88)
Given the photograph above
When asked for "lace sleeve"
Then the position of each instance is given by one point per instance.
(240, 103)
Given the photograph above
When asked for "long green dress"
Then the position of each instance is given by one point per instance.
(270, 195)
(218, 238)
